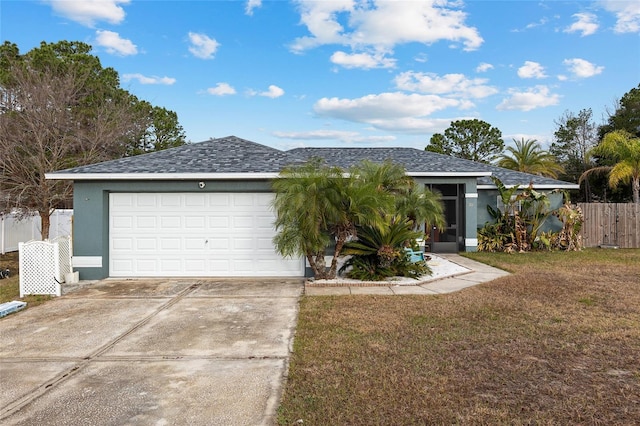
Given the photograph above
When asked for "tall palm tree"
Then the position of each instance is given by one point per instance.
(622, 147)
(529, 157)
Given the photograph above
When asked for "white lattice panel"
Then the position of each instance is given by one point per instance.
(40, 268)
(64, 252)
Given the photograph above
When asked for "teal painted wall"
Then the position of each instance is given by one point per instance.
(91, 212)
(490, 197)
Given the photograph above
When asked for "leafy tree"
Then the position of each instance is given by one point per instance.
(623, 149)
(626, 115)
(59, 108)
(575, 135)
(470, 139)
(528, 156)
(162, 130)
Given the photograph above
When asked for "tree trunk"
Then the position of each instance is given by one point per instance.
(635, 188)
(45, 223)
(318, 265)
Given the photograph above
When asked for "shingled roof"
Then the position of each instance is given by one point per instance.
(215, 156)
(235, 158)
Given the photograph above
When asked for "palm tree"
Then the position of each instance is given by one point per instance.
(420, 205)
(314, 204)
(529, 157)
(622, 147)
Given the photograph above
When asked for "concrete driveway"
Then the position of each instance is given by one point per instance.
(150, 352)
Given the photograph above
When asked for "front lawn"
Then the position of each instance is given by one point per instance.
(557, 342)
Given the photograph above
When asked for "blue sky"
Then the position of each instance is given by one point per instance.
(352, 72)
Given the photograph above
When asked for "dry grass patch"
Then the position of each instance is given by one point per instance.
(557, 342)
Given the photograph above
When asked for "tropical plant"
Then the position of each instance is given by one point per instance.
(517, 226)
(316, 205)
(624, 149)
(569, 237)
(379, 253)
(528, 156)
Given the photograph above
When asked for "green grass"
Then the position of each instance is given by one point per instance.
(557, 342)
(10, 287)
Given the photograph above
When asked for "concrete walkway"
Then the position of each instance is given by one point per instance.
(478, 273)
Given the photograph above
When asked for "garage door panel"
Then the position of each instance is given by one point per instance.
(146, 244)
(170, 222)
(146, 201)
(195, 200)
(219, 244)
(170, 200)
(122, 244)
(150, 222)
(191, 234)
(219, 200)
(195, 223)
(195, 244)
(122, 222)
(170, 244)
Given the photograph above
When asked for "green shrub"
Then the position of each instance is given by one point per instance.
(379, 253)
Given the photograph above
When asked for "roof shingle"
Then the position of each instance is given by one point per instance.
(233, 155)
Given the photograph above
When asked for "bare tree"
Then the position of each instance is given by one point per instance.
(51, 120)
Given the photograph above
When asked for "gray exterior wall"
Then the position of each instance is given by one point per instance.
(91, 214)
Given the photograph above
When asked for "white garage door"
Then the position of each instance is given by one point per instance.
(193, 234)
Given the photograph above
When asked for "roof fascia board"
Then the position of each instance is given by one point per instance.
(449, 174)
(219, 176)
(546, 186)
(160, 176)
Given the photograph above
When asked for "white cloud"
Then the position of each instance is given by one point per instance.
(273, 92)
(535, 97)
(581, 68)
(531, 69)
(381, 25)
(586, 23)
(252, 4)
(202, 46)
(421, 57)
(221, 89)
(341, 135)
(114, 44)
(142, 79)
(88, 12)
(388, 111)
(362, 60)
(453, 84)
(484, 67)
(627, 15)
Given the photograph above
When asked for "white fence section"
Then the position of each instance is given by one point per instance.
(44, 265)
(14, 231)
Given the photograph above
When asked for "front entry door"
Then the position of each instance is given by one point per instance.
(448, 239)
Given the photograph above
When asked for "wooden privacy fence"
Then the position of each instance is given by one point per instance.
(611, 224)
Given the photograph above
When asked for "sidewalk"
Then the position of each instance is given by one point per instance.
(478, 273)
